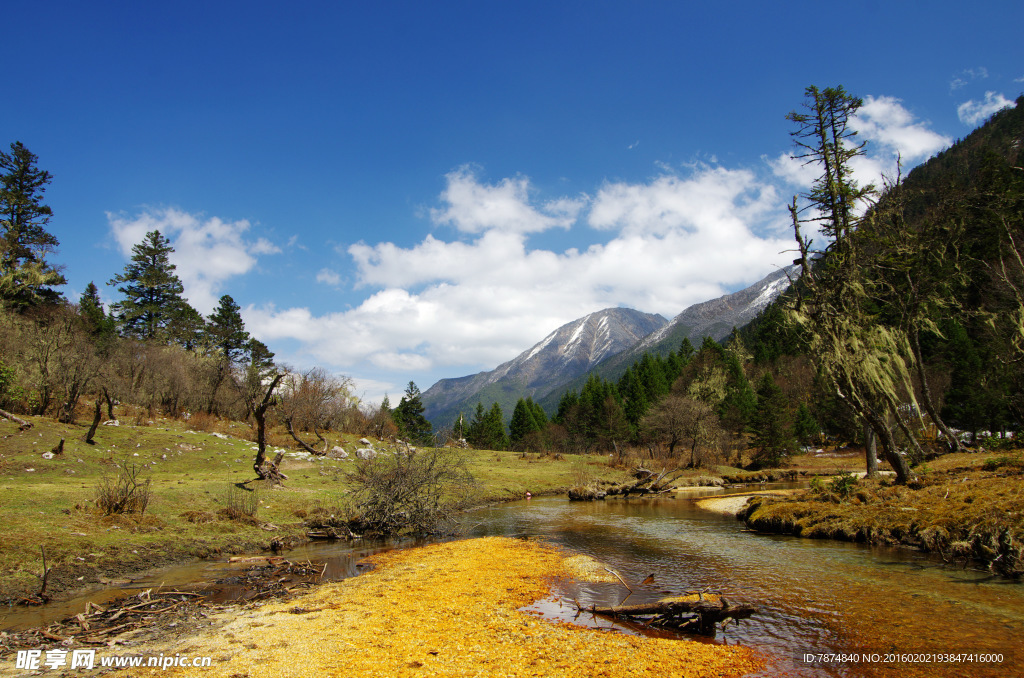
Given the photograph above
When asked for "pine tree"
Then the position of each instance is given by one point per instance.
(152, 291)
(538, 412)
(773, 435)
(409, 416)
(226, 330)
(225, 333)
(26, 279)
(97, 322)
(522, 423)
(805, 426)
(494, 427)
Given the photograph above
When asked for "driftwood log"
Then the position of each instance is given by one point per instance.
(22, 424)
(647, 481)
(694, 613)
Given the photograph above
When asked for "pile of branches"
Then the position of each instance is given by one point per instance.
(103, 625)
(646, 481)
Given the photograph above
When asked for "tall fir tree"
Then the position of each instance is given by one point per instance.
(523, 422)
(26, 278)
(409, 417)
(226, 330)
(151, 289)
(770, 425)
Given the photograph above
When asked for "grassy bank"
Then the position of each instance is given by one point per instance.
(449, 610)
(965, 507)
(50, 504)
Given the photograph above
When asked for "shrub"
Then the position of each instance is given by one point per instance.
(126, 493)
(415, 492)
(842, 485)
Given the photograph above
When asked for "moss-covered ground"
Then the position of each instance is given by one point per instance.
(966, 507)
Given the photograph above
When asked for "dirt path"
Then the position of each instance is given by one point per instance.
(441, 610)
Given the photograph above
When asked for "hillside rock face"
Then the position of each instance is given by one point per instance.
(566, 353)
(717, 318)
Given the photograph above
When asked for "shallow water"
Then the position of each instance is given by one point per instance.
(813, 596)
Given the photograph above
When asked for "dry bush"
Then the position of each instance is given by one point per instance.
(418, 492)
(199, 517)
(201, 421)
(241, 504)
(124, 494)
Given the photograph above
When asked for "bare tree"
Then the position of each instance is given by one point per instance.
(313, 401)
(683, 420)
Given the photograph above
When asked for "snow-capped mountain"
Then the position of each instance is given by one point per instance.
(568, 352)
(715, 318)
(605, 343)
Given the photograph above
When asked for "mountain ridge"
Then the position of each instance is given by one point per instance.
(563, 354)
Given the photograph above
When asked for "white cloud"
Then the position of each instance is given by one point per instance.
(964, 77)
(474, 207)
(975, 112)
(328, 277)
(207, 251)
(885, 121)
(675, 241)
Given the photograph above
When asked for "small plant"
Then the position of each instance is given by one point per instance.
(127, 493)
(843, 484)
(817, 486)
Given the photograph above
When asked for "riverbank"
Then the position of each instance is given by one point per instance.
(965, 507)
(200, 505)
(450, 609)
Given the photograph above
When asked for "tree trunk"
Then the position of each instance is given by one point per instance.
(952, 442)
(871, 451)
(263, 470)
(95, 422)
(892, 455)
(303, 444)
(110, 405)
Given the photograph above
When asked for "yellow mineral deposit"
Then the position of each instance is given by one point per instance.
(443, 610)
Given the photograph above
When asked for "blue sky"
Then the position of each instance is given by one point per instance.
(413, 190)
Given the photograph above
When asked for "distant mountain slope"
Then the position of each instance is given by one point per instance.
(567, 352)
(715, 318)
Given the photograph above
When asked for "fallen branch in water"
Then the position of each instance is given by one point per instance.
(694, 612)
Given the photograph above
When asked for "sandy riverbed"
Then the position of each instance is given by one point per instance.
(731, 505)
(442, 610)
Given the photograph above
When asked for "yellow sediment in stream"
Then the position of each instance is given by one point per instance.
(442, 610)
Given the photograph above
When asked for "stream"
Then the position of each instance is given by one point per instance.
(812, 596)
